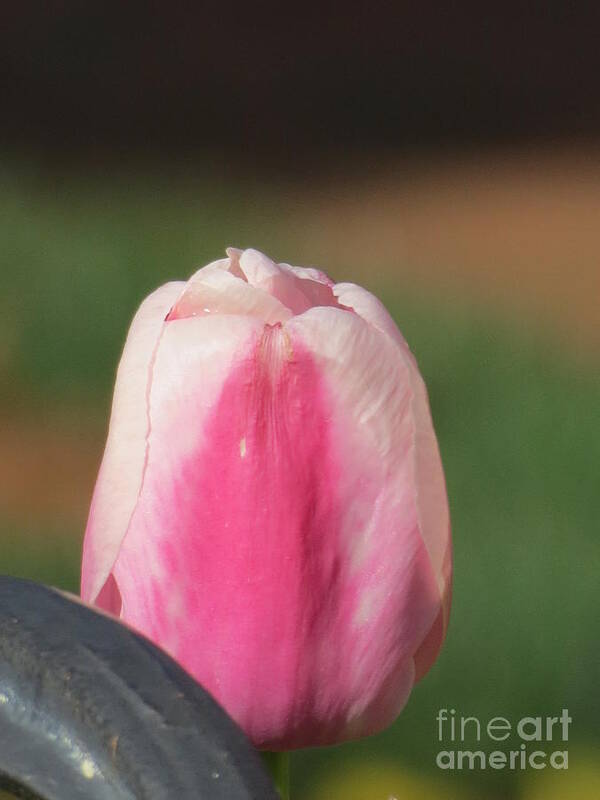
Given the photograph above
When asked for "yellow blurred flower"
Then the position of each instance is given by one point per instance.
(581, 781)
(381, 780)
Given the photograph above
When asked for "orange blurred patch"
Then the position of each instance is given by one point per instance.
(521, 230)
(47, 473)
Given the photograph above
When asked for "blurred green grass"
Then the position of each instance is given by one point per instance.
(517, 421)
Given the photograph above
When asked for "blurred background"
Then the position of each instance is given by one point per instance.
(448, 159)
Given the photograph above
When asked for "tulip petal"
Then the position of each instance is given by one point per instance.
(370, 308)
(140, 395)
(296, 287)
(387, 400)
(120, 475)
(433, 503)
(214, 290)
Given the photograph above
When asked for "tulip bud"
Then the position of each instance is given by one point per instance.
(271, 506)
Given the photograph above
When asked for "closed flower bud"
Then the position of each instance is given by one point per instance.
(271, 506)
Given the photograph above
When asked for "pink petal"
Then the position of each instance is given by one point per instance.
(296, 287)
(214, 290)
(120, 475)
(376, 397)
(432, 503)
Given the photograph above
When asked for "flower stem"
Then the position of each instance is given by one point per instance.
(278, 765)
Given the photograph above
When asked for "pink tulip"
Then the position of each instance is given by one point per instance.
(271, 506)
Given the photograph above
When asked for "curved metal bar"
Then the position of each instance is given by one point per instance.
(90, 710)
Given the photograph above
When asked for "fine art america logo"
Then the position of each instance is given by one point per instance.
(535, 742)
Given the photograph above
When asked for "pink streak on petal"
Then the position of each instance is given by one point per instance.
(242, 553)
